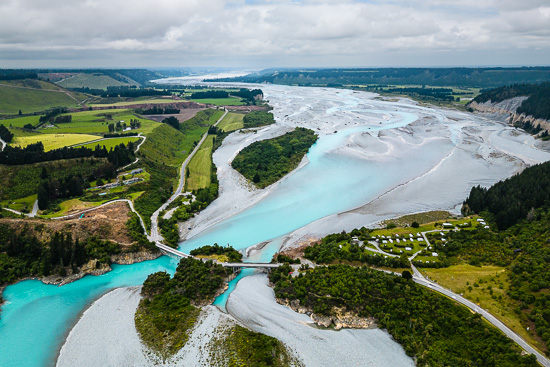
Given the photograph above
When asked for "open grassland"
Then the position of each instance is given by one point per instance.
(23, 205)
(15, 98)
(200, 165)
(231, 101)
(54, 141)
(486, 286)
(133, 102)
(72, 206)
(165, 145)
(231, 122)
(97, 122)
(20, 121)
(33, 84)
(111, 143)
(93, 81)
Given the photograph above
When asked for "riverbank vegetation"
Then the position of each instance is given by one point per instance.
(169, 310)
(217, 252)
(430, 327)
(258, 119)
(239, 346)
(265, 162)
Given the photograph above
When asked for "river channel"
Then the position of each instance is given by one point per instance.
(374, 160)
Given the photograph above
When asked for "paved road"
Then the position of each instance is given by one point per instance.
(155, 236)
(137, 159)
(489, 317)
(3, 144)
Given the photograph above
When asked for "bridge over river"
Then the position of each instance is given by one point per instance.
(236, 266)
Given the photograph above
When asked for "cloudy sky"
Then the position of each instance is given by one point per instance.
(273, 33)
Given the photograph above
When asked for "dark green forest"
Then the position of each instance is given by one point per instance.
(458, 77)
(265, 162)
(430, 327)
(511, 200)
(257, 119)
(24, 255)
(215, 249)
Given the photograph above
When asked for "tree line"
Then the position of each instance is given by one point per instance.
(430, 327)
(34, 153)
(210, 94)
(156, 110)
(512, 199)
(5, 134)
(24, 255)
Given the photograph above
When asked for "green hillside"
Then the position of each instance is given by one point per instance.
(92, 81)
(31, 96)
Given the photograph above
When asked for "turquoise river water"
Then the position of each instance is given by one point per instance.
(37, 317)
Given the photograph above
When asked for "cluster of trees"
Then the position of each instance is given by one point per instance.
(5, 134)
(15, 74)
(265, 162)
(156, 110)
(444, 94)
(34, 153)
(133, 92)
(430, 327)
(53, 189)
(210, 94)
(166, 313)
(249, 95)
(172, 121)
(24, 255)
(257, 119)
(121, 135)
(63, 119)
(336, 247)
(215, 249)
(460, 77)
(49, 116)
(536, 105)
(512, 199)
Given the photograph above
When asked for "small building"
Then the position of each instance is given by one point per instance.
(408, 249)
(391, 241)
(410, 235)
(136, 171)
(442, 234)
(447, 225)
(480, 219)
(398, 240)
(384, 241)
(443, 240)
(355, 240)
(434, 254)
(486, 227)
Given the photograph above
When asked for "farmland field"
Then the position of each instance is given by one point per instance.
(231, 101)
(232, 121)
(15, 98)
(54, 141)
(91, 81)
(111, 143)
(199, 167)
(129, 103)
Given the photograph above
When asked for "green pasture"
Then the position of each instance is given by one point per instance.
(53, 141)
(92, 81)
(231, 101)
(231, 122)
(129, 103)
(199, 166)
(13, 99)
(110, 142)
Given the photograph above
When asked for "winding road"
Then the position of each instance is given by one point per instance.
(155, 236)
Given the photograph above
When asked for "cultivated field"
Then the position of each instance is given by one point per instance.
(111, 143)
(15, 97)
(231, 122)
(92, 81)
(231, 101)
(54, 141)
(200, 165)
